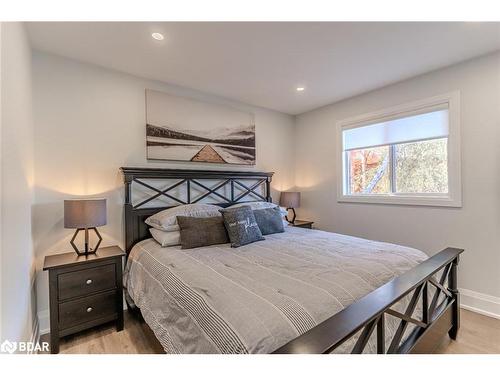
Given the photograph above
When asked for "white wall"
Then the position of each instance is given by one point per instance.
(475, 226)
(17, 272)
(89, 122)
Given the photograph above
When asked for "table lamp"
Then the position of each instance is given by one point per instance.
(85, 214)
(290, 200)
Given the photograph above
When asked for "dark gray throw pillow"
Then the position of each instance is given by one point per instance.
(269, 220)
(201, 231)
(241, 226)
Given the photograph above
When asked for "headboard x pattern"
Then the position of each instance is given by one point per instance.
(237, 181)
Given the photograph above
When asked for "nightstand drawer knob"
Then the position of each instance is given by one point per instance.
(89, 309)
(88, 282)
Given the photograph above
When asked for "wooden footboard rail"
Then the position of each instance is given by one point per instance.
(440, 314)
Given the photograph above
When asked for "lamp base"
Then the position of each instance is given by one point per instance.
(294, 215)
(87, 250)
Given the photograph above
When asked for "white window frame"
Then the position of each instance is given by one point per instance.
(454, 196)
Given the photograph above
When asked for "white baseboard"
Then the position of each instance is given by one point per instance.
(44, 322)
(35, 335)
(480, 303)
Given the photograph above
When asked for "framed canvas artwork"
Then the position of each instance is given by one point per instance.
(184, 129)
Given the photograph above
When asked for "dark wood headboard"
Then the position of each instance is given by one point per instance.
(235, 183)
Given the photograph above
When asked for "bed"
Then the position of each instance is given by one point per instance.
(301, 291)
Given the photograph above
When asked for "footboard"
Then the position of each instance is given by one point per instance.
(440, 313)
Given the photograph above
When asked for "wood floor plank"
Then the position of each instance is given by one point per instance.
(478, 334)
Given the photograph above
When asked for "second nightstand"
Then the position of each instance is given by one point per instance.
(84, 291)
(302, 224)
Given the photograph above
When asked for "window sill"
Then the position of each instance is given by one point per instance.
(414, 200)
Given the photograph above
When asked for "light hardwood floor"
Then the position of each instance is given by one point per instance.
(478, 335)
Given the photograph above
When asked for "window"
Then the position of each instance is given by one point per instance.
(404, 155)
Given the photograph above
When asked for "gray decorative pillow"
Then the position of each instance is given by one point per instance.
(269, 220)
(241, 226)
(201, 231)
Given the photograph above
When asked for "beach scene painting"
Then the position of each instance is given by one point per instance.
(185, 129)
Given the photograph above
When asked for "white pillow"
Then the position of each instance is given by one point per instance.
(170, 228)
(260, 206)
(166, 238)
(166, 219)
(256, 205)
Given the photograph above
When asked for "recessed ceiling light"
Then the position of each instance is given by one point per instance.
(300, 88)
(157, 36)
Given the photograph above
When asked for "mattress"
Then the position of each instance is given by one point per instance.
(256, 298)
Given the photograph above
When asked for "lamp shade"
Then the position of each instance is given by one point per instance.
(290, 199)
(84, 213)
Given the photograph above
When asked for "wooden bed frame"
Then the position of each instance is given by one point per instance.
(433, 283)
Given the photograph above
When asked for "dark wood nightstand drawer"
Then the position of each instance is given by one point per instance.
(87, 309)
(85, 291)
(90, 280)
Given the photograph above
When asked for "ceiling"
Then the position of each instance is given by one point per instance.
(263, 63)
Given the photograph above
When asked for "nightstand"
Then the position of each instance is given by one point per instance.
(302, 224)
(84, 291)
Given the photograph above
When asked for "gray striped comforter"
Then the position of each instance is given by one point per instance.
(256, 298)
